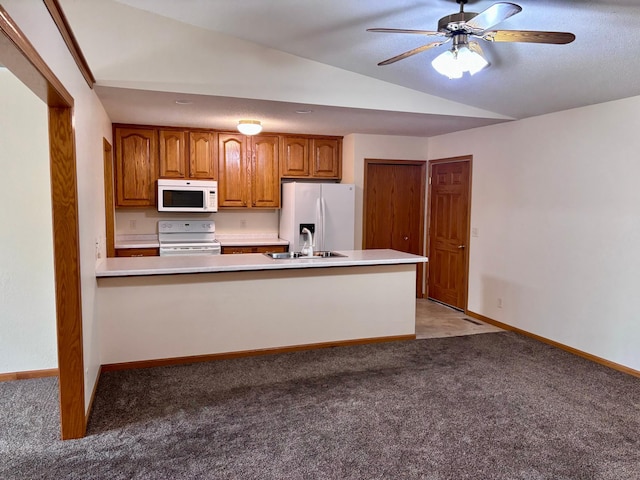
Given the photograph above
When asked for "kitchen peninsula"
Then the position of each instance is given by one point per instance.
(154, 309)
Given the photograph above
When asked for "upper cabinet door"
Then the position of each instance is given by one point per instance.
(326, 158)
(136, 166)
(233, 186)
(173, 154)
(294, 161)
(265, 182)
(202, 155)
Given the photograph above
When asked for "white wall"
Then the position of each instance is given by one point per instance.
(137, 221)
(152, 52)
(556, 203)
(268, 309)
(91, 125)
(357, 147)
(27, 296)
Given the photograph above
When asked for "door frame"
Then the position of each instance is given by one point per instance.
(109, 202)
(422, 227)
(431, 163)
(30, 68)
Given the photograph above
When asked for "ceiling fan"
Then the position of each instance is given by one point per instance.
(465, 55)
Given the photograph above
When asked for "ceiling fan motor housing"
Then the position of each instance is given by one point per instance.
(453, 23)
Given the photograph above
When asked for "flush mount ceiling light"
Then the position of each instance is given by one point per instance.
(249, 127)
(463, 57)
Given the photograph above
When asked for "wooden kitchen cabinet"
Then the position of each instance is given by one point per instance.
(294, 157)
(326, 158)
(173, 153)
(137, 252)
(311, 157)
(233, 171)
(186, 154)
(136, 166)
(248, 171)
(265, 177)
(202, 155)
(255, 249)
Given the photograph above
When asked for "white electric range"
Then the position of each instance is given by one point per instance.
(188, 237)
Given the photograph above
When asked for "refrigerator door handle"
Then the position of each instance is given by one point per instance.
(317, 237)
(323, 221)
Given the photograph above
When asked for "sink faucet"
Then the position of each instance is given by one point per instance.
(307, 248)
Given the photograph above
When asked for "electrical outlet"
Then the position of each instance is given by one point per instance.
(243, 223)
(132, 224)
(474, 232)
(499, 303)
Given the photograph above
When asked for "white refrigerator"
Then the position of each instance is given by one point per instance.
(327, 209)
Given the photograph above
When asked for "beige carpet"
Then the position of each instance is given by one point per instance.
(434, 320)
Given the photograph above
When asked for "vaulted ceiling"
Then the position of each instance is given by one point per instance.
(268, 59)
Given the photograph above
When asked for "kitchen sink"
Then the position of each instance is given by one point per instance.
(289, 255)
(282, 255)
(327, 254)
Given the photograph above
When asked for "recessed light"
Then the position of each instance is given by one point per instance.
(302, 111)
(183, 102)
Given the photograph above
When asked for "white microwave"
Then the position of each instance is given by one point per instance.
(187, 195)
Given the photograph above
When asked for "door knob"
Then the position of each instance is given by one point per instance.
(460, 246)
(406, 238)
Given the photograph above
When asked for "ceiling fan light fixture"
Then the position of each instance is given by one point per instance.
(471, 59)
(446, 64)
(464, 57)
(249, 127)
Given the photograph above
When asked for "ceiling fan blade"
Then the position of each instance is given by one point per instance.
(493, 15)
(529, 36)
(404, 55)
(400, 30)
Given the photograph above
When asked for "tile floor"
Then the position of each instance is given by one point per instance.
(434, 320)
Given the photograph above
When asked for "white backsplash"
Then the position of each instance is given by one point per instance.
(136, 221)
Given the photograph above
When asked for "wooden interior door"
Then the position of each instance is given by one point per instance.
(394, 202)
(449, 230)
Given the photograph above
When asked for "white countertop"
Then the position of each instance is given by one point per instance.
(226, 240)
(137, 241)
(136, 266)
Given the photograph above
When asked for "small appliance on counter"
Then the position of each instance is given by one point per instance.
(188, 237)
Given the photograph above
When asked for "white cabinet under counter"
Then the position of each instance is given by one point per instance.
(155, 310)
